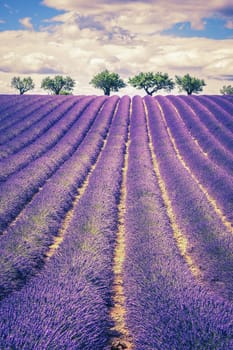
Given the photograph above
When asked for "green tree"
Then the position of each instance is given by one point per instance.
(190, 84)
(227, 90)
(23, 85)
(107, 81)
(152, 82)
(58, 85)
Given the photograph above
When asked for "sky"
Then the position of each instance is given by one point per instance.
(80, 38)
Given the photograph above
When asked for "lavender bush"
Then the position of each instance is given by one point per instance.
(62, 177)
(31, 132)
(207, 117)
(166, 307)
(23, 154)
(217, 181)
(69, 302)
(21, 118)
(212, 148)
(19, 189)
(222, 114)
(25, 243)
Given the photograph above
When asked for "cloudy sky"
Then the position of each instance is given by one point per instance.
(80, 38)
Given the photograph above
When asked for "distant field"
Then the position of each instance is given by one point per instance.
(116, 222)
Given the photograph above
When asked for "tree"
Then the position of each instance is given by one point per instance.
(227, 90)
(190, 84)
(58, 85)
(107, 82)
(152, 82)
(23, 85)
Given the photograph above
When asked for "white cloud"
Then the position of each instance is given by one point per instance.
(87, 39)
(81, 54)
(26, 22)
(145, 16)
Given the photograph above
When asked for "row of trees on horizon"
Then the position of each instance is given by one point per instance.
(111, 82)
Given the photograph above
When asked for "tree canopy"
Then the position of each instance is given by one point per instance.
(107, 81)
(227, 90)
(58, 85)
(190, 84)
(23, 85)
(152, 82)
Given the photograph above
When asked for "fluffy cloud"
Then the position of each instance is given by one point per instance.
(122, 36)
(81, 54)
(146, 16)
(26, 22)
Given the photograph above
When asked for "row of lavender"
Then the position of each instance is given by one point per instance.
(28, 113)
(166, 306)
(10, 105)
(68, 304)
(23, 134)
(24, 183)
(212, 128)
(26, 240)
(40, 136)
(211, 235)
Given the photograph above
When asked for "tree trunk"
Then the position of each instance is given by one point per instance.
(148, 92)
(107, 92)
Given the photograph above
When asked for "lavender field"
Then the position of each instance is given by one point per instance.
(116, 222)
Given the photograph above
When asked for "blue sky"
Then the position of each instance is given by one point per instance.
(80, 38)
(214, 28)
(11, 11)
